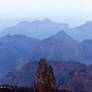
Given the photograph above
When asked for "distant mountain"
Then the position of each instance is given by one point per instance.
(59, 47)
(14, 51)
(18, 49)
(85, 48)
(42, 29)
(82, 32)
(38, 29)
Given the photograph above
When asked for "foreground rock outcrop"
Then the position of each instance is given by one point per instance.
(45, 80)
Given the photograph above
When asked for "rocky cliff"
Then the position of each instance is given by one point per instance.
(45, 80)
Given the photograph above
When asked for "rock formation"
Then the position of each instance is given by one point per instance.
(45, 80)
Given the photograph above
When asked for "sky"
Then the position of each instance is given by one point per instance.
(74, 12)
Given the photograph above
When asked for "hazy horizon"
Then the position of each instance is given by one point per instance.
(5, 23)
(72, 12)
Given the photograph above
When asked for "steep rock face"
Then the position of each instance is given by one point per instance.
(45, 81)
(15, 50)
(82, 81)
(24, 76)
(85, 48)
(59, 47)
